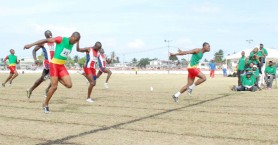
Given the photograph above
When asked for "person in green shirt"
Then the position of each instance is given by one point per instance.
(12, 66)
(58, 71)
(248, 83)
(253, 57)
(270, 74)
(256, 74)
(262, 53)
(241, 66)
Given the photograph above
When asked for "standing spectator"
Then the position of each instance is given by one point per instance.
(262, 53)
(254, 58)
(212, 68)
(241, 66)
(270, 74)
(224, 67)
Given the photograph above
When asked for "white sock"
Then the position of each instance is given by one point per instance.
(177, 94)
(192, 86)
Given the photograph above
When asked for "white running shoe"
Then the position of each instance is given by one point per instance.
(106, 85)
(90, 100)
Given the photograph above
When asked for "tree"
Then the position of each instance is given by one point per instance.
(218, 56)
(184, 61)
(69, 62)
(82, 61)
(173, 58)
(75, 59)
(143, 62)
(134, 61)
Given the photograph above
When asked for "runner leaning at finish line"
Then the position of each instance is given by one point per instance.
(193, 71)
(58, 71)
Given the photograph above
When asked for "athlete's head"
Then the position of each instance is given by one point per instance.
(206, 46)
(75, 37)
(12, 51)
(243, 53)
(98, 46)
(101, 51)
(48, 34)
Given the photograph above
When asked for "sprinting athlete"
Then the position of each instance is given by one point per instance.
(12, 66)
(102, 61)
(90, 66)
(48, 52)
(58, 71)
(193, 71)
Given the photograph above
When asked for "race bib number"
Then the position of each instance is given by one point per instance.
(65, 52)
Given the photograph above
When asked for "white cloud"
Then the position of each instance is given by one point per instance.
(137, 43)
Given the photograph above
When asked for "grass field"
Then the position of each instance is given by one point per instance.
(130, 114)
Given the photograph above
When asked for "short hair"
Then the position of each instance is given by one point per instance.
(76, 35)
(98, 43)
(205, 43)
(47, 31)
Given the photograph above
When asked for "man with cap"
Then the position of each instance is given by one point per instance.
(248, 83)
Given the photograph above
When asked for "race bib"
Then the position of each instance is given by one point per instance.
(65, 52)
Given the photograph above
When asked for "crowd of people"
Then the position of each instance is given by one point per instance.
(253, 72)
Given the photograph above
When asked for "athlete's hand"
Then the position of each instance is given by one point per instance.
(37, 62)
(27, 47)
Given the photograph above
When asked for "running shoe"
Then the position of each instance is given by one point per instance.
(176, 99)
(90, 100)
(28, 93)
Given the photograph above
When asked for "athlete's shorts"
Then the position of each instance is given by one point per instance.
(193, 72)
(45, 71)
(58, 70)
(102, 69)
(12, 69)
(91, 71)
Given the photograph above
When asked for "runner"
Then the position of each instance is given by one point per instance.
(193, 71)
(102, 61)
(58, 71)
(48, 52)
(90, 66)
(12, 66)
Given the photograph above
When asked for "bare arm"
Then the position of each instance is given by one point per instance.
(78, 49)
(40, 42)
(35, 54)
(180, 52)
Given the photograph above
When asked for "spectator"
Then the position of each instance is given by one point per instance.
(248, 83)
(212, 67)
(262, 53)
(224, 67)
(270, 74)
(254, 69)
(241, 66)
(254, 58)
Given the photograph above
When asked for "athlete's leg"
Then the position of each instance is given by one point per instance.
(9, 77)
(202, 78)
(14, 76)
(52, 89)
(99, 73)
(190, 81)
(109, 73)
(38, 81)
(66, 81)
(47, 89)
(92, 82)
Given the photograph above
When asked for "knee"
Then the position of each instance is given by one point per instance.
(93, 83)
(54, 87)
(69, 85)
(204, 78)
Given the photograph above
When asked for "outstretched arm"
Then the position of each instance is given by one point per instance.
(5, 60)
(78, 49)
(40, 42)
(180, 52)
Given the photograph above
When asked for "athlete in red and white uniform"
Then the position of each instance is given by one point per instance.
(90, 66)
(102, 67)
(48, 52)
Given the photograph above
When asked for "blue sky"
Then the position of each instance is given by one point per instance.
(138, 28)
